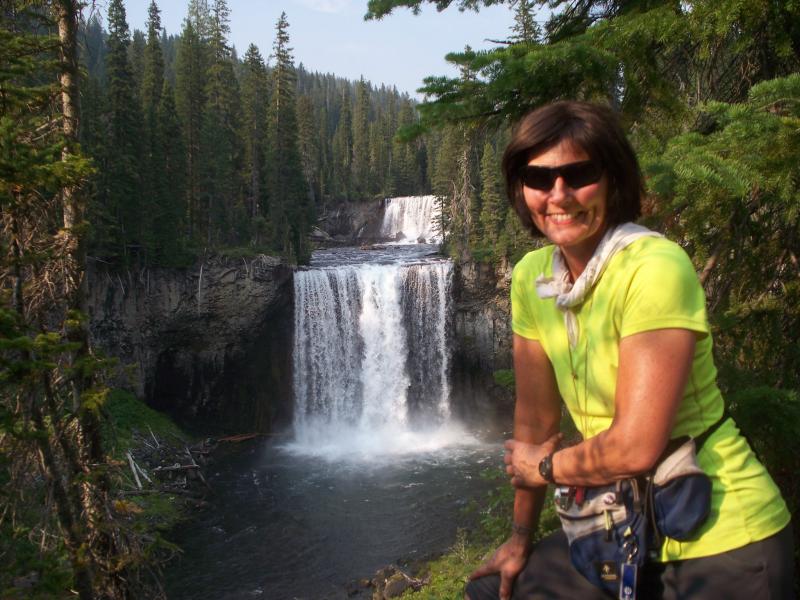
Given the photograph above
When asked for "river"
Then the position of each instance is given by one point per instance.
(377, 467)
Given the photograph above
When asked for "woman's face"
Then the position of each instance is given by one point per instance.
(572, 218)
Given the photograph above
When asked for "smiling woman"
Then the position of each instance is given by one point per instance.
(610, 319)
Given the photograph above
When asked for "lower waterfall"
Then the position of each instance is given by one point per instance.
(371, 359)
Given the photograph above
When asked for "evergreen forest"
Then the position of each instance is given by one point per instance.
(135, 150)
(228, 152)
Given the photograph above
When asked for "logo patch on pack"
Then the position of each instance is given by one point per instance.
(608, 570)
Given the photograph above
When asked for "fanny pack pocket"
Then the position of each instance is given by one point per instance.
(606, 528)
(681, 494)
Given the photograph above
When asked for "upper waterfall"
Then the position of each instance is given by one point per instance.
(410, 219)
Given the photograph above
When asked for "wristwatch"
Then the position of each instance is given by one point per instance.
(546, 468)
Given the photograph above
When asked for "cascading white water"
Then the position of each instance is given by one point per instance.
(371, 358)
(413, 218)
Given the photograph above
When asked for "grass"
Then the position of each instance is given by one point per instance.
(127, 415)
(449, 573)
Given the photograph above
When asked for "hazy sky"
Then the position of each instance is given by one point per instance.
(331, 36)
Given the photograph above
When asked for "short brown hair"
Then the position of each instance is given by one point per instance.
(594, 129)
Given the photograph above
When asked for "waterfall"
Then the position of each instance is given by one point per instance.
(371, 355)
(412, 218)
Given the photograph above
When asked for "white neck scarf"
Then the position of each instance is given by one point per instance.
(569, 295)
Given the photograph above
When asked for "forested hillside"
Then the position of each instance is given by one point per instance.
(197, 148)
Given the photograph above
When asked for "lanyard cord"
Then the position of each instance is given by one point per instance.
(584, 411)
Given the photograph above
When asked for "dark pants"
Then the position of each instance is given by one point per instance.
(761, 570)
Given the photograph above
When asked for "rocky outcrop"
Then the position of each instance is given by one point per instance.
(482, 335)
(209, 344)
(352, 222)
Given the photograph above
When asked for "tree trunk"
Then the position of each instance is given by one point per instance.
(91, 455)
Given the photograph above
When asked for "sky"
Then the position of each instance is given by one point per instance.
(331, 36)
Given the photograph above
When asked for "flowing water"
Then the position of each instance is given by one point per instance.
(376, 467)
(412, 219)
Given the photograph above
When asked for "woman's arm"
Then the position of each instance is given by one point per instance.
(537, 416)
(654, 367)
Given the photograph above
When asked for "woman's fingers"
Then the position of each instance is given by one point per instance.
(487, 568)
(506, 581)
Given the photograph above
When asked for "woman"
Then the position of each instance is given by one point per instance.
(611, 319)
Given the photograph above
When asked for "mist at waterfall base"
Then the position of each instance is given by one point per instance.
(377, 468)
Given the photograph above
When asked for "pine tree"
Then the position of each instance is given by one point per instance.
(136, 58)
(155, 185)
(153, 69)
(220, 150)
(646, 59)
(122, 182)
(190, 69)
(525, 29)
(342, 151)
(169, 228)
(493, 204)
(361, 167)
(290, 209)
(308, 143)
(199, 15)
(255, 92)
(406, 165)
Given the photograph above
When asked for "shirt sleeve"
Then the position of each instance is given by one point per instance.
(664, 293)
(523, 322)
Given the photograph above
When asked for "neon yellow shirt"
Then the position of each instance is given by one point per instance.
(650, 285)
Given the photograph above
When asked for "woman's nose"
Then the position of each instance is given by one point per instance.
(560, 191)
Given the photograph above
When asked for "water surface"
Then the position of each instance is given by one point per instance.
(286, 526)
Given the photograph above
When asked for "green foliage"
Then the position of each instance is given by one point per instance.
(120, 191)
(127, 415)
(291, 212)
(728, 191)
(448, 574)
(504, 378)
(377, 9)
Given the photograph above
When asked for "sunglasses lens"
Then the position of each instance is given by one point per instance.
(580, 174)
(537, 178)
(576, 175)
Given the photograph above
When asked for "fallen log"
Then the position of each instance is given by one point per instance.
(241, 437)
(175, 468)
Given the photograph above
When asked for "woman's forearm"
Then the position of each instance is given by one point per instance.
(527, 508)
(599, 460)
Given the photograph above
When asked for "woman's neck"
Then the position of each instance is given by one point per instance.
(578, 256)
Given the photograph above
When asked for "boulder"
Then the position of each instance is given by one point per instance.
(391, 582)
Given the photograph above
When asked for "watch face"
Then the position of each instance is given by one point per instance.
(546, 468)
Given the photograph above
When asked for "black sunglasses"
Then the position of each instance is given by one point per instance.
(576, 175)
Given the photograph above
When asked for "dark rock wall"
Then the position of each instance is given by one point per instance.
(352, 222)
(210, 345)
(482, 338)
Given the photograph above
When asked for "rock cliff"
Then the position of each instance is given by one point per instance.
(208, 344)
(482, 336)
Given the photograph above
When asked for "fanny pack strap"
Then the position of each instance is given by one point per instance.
(701, 439)
(676, 443)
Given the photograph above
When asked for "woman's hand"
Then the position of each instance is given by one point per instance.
(508, 560)
(522, 461)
